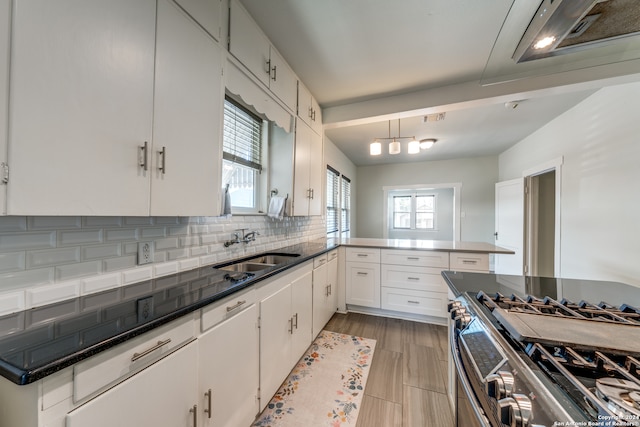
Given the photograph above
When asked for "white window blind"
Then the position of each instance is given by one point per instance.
(242, 136)
(345, 204)
(332, 200)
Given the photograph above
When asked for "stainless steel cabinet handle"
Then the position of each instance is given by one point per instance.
(144, 150)
(268, 70)
(194, 411)
(469, 261)
(208, 396)
(159, 345)
(236, 305)
(163, 154)
(295, 316)
(275, 70)
(413, 258)
(313, 115)
(312, 193)
(310, 112)
(413, 302)
(363, 255)
(362, 273)
(413, 278)
(291, 325)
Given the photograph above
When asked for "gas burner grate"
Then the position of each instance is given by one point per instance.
(547, 306)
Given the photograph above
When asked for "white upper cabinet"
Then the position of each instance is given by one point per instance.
(253, 49)
(206, 12)
(81, 107)
(110, 114)
(308, 172)
(5, 33)
(308, 109)
(186, 152)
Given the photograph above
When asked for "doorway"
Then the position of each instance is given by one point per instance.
(540, 214)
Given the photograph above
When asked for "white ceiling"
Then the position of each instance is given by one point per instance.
(371, 61)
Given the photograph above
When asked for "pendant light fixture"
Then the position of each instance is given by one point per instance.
(375, 148)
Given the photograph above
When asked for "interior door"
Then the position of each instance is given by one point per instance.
(509, 232)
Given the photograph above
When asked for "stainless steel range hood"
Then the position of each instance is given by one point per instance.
(564, 26)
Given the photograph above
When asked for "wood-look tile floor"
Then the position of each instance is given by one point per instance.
(407, 381)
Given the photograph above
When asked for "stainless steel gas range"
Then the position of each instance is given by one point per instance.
(532, 351)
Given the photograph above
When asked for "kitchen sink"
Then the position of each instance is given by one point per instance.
(259, 263)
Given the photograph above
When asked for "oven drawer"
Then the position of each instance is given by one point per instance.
(416, 302)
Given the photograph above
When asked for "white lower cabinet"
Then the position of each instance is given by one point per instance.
(164, 394)
(228, 363)
(285, 329)
(325, 286)
(363, 277)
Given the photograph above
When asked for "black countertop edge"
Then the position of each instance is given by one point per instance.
(21, 376)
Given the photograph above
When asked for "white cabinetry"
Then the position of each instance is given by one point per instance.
(308, 109)
(5, 36)
(363, 277)
(206, 12)
(412, 283)
(164, 394)
(186, 153)
(81, 107)
(285, 328)
(228, 362)
(308, 172)
(325, 278)
(253, 49)
(467, 261)
(84, 108)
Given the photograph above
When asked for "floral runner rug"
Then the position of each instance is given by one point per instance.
(326, 386)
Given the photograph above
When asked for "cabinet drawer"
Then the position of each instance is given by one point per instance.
(321, 260)
(363, 255)
(332, 255)
(468, 261)
(226, 308)
(416, 302)
(416, 278)
(419, 258)
(125, 359)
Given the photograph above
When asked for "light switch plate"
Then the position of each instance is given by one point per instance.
(145, 253)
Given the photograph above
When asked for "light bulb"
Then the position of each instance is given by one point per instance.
(414, 147)
(394, 147)
(375, 149)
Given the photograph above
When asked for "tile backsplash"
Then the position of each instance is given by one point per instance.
(50, 259)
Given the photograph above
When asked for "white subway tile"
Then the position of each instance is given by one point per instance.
(138, 220)
(208, 259)
(77, 270)
(26, 278)
(147, 233)
(82, 237)
(166, 220)
(101, 283)
(168, 243)
(49, 222)
(182, 230)
(12, 302)
(25, 241)
(12, 261)
(52, 257)
(177, 254)
(13, 223)
(137, 275)
(189, 264)
(165, 268)
(102, 221)
(121, 234)
(48, 294)
(101, 251)
(199, 251)
(119, 263)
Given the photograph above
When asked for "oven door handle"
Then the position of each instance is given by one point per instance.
(462, 377)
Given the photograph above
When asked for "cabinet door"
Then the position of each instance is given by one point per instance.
(206, 12)
(316, 116)
(284, 83)
(228, 369)
(332, 284)
(305, 109)
(81, 103)
(320, 298)
(302, 159)
(187, 116)
(275, 342)
(363, 284)
(248, 43)
(301, 310)
(161, 395)
(5, 32)
(316, 174)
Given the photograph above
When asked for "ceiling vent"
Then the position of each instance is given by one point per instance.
(433, 117)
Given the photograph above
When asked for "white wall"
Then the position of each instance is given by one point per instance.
(599, 141)
(477, 176)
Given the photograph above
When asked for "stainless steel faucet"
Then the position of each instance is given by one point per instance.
(246, 238)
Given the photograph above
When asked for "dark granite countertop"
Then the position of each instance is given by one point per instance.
(38, 342)
(576, 290)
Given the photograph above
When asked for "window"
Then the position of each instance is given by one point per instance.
(332, 200)
(345, 206)
(414, 212)
(242, 155)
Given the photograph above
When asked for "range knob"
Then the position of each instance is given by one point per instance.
(453, 304)
(515, 411)
(500, 385)
(462, 320)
